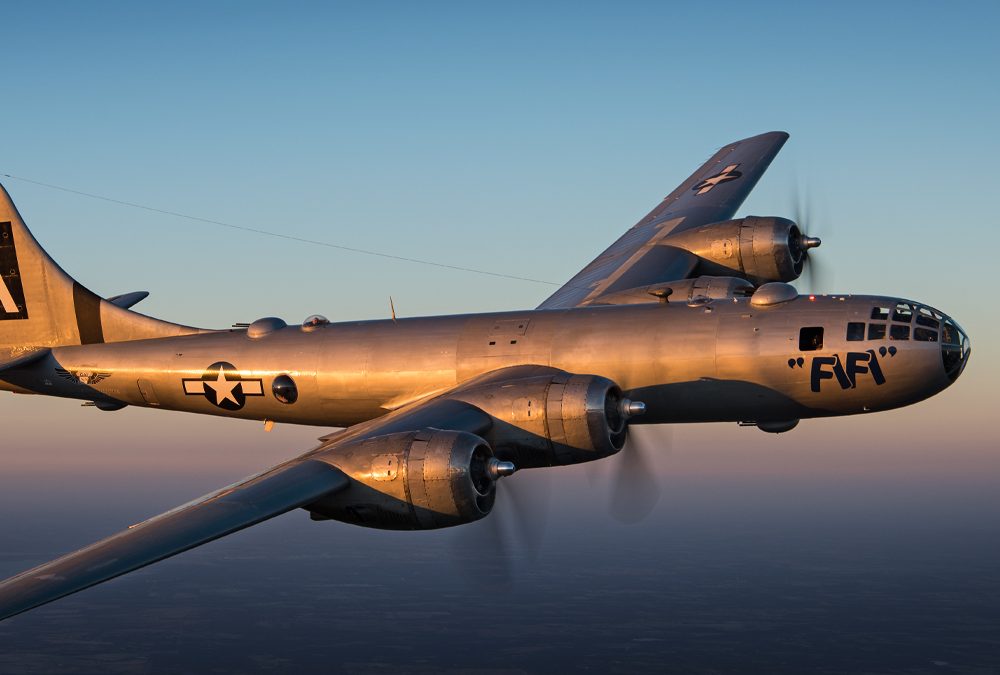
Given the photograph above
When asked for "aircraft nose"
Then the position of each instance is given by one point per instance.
(955, 348)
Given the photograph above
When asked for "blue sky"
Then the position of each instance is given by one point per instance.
(483, 135)
(518, 138)
(512, 138)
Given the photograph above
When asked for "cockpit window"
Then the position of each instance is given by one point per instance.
(949, 334)
(928, 317)
(880, 313)
(902, 313)
(897, 332)
(811, 338)
(855, 331)
(924, 334)
(954, 350)
(876, 331)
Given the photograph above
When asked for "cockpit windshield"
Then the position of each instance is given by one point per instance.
(910, 321)
(894, 322)
(955, 348)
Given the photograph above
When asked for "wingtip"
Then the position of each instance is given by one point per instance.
(776, 135)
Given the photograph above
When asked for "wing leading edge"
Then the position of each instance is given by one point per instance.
(711, 194)
(211, 517)
(294, 484)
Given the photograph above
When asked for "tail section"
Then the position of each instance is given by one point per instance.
(42, 306)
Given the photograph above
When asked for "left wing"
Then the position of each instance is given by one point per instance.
(711, 194)
(291, 485)
(216, 515)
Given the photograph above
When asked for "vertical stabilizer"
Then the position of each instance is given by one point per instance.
(42, 306)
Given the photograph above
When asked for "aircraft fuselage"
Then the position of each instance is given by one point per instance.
(721, 360)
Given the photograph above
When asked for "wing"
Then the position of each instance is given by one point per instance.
(711, 194)
(213, 516)
(296, 483)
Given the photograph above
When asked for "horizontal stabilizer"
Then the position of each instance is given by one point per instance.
(127, 300)
(24, 360)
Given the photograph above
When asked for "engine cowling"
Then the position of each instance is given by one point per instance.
(554, 419)
(414, 481)
(761, 249)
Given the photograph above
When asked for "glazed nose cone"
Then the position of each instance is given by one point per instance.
(955, 348)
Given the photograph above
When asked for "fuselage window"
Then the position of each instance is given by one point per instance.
(924, 334)
(855, 331)
(876, 331)
(899, 332)
(811, 339)
(902, 313)
(284, 389)
(880, 313)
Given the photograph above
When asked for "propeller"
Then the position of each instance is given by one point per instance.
(636, 489)
(481, 551)
(486, 550)
(528, 502)
(816, 276)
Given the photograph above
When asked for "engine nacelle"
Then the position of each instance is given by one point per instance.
(413, 481)
(554, 419)
(761, 249)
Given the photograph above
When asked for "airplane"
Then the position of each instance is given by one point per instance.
(688, 317)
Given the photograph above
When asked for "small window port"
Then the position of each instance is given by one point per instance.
(811, 338)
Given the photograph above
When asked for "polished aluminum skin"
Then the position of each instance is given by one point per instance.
(686, 318)
(723, 360)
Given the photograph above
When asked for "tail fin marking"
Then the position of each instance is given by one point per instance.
(12, 301)
(62, 312)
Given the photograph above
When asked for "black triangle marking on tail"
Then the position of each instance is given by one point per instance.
(12, 304)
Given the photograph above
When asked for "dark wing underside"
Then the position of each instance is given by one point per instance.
(199, 522)
(711, 194)
(291, 485)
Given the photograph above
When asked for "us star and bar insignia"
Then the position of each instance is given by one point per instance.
(727, 174)
(223, 386)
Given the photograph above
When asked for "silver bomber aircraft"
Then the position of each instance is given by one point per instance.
(687, 317)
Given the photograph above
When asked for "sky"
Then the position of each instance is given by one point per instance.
(509, 138)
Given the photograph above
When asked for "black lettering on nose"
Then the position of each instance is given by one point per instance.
(818, 374)
(857, 363)
(876, 369)
(842, 378)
